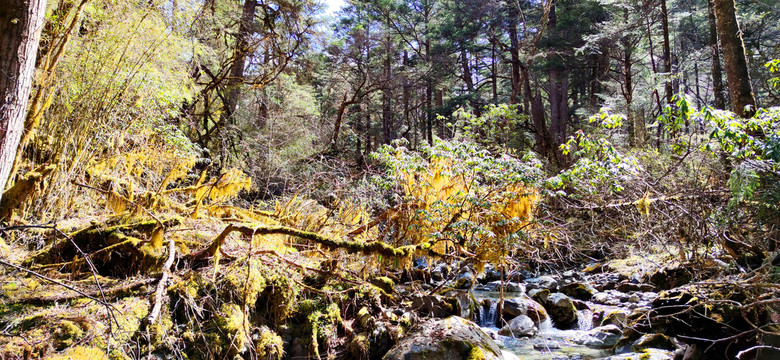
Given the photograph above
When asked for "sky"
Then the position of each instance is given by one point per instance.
(333, 6)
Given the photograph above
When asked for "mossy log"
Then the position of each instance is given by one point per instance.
(353, 247)
(115, 250)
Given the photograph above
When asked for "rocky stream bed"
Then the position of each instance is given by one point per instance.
(590, 314)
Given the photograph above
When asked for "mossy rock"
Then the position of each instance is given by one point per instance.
(451, 338)
(360, 347)
(656, 341)
(384, 283)
(268, 345)
(578, 291)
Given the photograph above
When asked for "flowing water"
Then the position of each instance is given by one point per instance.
(550, 343)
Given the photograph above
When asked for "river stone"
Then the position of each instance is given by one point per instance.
(508, 286)
(524, 305)
(509, 356)
(603, 336)
(465, 280)
(544, 282)
(647, 354)
(578, 291)
(540, 295)
(618, 318)
(435, 305)
(562, 311)
(656, 341)
(520, 326)
(451, 338)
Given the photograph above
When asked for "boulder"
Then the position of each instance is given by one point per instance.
(647, 354)
(578, 291)
(435, 305)
(603, 337)
(451, 338)
(562, 311)
(539, 295)
(520, 326)
(465, 280)
(544, 282)
(670, 277)
(656, 341)
(524, 305)
(618, 318)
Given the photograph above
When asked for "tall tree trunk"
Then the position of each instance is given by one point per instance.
(21, 22)
(717, 71)
(737, 74)
(245, 30)
(514, 48)
(388, 128)
(667, 66)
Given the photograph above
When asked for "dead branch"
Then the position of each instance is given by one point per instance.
(163, 284)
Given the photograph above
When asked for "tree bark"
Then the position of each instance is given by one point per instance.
(717, 71)
(20, 32)
(239, 59)
(737, 75)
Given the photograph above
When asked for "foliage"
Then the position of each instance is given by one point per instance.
(460, 196)
(497, 128)
(597, 162)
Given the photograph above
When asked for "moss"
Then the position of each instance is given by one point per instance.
(244, 281)
(269, 345)
(384, 283)
(323, 325)
(233, 325)
(81, 352)
(364, 318)
(476, 353)
(66, 334)
(360, 347)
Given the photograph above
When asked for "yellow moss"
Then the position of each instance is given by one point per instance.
(81, 353)
(476, 354)
(269, 345)
(234, 326)
(66, 334)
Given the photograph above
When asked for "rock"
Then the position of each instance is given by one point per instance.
(465, 280)
(437, 275)
(435, 305)
(657, 341)
(634, 298)
(618, 318)
(524, 305)
(466, 304)
(450, 338)
(648, 354)
(603, 336)
(578, 291)
(544, 282)
(562, 311)
(626, 286)
(540, 295)
(508, 286)
(605, 298)
(670, 277)
(520, 326)
(547, 345)
(509, 356)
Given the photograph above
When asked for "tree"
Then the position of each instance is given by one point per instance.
(20, 32)
(737, 74)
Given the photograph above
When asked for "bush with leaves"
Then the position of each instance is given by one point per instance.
(460, 198)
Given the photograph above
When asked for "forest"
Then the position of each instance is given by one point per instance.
(390, 179)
